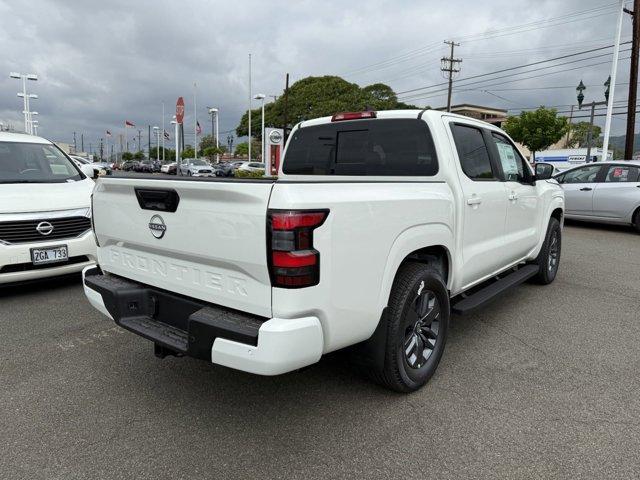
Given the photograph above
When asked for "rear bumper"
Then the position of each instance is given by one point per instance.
(264, 346)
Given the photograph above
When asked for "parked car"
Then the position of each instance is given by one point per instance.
(129, 165)
(144, 166)
(378, 225)
(169, 168)
(252, 167)
(236, 164)
(607, 192)
(196, 168)
(45, 216)
(98, 168)
(223, 169)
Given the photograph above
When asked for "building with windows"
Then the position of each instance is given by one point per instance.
(494, 116)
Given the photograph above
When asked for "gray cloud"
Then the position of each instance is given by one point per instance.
(103, 62)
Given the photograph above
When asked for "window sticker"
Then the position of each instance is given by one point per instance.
(508, 159)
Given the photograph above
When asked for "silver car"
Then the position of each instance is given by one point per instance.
(607, 192)
(196, 168)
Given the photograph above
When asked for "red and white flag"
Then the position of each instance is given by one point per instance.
(127, 123)
(108, 133)
(198, 128)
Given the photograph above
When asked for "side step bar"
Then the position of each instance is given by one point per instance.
(470, 303)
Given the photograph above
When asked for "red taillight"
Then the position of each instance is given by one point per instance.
(293, 262)
(352, 116)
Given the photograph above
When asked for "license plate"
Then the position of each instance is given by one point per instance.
(49, 255)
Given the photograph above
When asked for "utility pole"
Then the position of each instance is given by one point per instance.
(250, 97)
(139, 139)
(149, 142)
(448, 65)
(566, 143)
(633, 81)
(101, 150)
(82, 142)
(75, 147)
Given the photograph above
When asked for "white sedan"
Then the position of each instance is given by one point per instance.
(252, 167)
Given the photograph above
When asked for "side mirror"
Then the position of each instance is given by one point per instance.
(544, 171)
(87, 170)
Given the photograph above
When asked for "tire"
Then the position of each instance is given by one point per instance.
(636, 221)
(549, 256)
(413, 349)
(188, 173)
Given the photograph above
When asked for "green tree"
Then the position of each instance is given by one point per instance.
(579, 133)
(207, 141)
(536, 130)
(242, 149)
(188, 153)
(139, 155)
(127, 156)
(314, 97)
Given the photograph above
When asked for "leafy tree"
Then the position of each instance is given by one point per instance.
(207, 141)
(314, 97)
(536, 130)
(188, 153)
(127, 156)
(156, 152)
(242, 149)
(139, 155)
(579, 133)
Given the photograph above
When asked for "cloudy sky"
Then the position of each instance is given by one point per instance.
(101, 62)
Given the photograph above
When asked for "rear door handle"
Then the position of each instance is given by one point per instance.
(475, 200)
(513, 196)
(586, 189)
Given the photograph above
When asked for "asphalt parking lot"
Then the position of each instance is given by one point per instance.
(541, 384)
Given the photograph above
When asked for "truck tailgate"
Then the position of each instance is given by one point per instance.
(212, 247)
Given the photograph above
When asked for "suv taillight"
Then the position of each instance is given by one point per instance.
(293, 262)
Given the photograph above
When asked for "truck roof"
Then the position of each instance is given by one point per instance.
(21, 138)
(413, 113)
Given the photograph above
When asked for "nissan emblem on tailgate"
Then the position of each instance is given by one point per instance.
(157, 226)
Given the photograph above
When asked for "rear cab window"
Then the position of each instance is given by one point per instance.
(372, 147)
(473, 152)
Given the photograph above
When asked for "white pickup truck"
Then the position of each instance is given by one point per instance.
(378, 225)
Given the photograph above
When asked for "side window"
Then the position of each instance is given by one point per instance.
(513, 165)
(582, 175)
(473, 152)
(622, 173)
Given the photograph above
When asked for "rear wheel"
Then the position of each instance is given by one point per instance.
(549, 257)
(417, 323)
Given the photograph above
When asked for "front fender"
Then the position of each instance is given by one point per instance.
(407, 242)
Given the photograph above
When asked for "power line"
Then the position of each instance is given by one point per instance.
(566, 18)
(434, 93)
(513, 68)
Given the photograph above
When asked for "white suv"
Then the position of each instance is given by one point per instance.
(45, 213)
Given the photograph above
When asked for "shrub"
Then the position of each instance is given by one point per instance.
(247, 174)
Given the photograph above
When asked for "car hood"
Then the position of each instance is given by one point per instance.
(197, 168)
(44, 197)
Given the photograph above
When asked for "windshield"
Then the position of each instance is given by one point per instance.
(35, 163)
(198, 162)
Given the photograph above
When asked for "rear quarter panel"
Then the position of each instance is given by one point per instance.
(371, 227)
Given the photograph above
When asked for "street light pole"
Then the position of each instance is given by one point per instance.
(214, 111)
(614, 70)
(174, 122)
(261, 96)
(249, 107)
(25, 97)
(157, 132)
